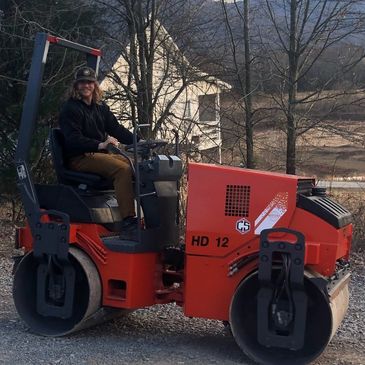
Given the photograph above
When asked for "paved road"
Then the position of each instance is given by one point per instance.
(341, 184)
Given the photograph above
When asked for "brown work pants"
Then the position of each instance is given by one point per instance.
(113, 167)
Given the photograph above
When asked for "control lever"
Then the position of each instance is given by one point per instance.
(111, 148)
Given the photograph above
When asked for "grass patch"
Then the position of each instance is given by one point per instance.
(354, 201)
(7, 233)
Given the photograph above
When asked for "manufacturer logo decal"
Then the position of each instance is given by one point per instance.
(22, 174)
(243, 226)
(272, 213)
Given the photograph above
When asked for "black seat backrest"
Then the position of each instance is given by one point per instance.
(56, 140)
(67, 176)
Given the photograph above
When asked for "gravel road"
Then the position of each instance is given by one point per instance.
(158, 335)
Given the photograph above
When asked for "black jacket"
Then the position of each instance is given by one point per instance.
(85, 126)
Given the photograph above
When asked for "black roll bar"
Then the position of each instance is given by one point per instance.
(30, 115)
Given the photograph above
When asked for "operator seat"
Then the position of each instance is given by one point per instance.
(83, 180)
(84, 197)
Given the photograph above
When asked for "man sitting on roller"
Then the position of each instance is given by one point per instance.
(89, 126)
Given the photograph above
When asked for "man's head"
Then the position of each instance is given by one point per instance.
(85, 74)
(85, 85)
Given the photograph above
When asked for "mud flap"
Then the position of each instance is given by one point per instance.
(55, 274)
(281, 300)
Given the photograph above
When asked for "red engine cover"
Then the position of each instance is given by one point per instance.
(227, 210)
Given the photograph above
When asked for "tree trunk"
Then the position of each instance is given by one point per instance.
(292, 92)
(248, 91)
(143, 115)
(150, 65)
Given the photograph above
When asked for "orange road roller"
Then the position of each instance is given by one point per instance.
(266, 252)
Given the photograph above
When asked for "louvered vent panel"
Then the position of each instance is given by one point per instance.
(237, 200)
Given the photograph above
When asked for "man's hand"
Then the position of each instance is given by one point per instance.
(112, 140)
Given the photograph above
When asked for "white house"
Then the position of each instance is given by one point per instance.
(194, 107)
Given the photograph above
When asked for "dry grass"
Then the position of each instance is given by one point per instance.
(320, 152)
(354, 201)
(333, 142)
(7, 230)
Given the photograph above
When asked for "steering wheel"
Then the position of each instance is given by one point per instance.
(144, 147)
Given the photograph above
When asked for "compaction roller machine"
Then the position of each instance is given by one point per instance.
(267, 253)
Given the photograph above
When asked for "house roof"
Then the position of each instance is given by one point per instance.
(118, 42)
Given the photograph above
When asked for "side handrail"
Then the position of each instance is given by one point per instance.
(30, 115)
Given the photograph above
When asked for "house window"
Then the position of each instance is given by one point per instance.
(187, 109)
(207, 108)
(195, 139)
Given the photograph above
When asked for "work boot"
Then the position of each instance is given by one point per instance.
(129, 229)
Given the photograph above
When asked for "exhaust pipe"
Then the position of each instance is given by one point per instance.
(86, 310)
(325, 311)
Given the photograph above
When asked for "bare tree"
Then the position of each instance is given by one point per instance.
(153, 79)
(299, 34)
(243, 70)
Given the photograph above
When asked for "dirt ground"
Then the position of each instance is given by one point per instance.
(321, 153)
(158, 335)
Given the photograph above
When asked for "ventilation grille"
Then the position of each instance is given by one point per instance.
(237, 200)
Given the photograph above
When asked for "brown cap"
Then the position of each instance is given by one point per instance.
(85, 73)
